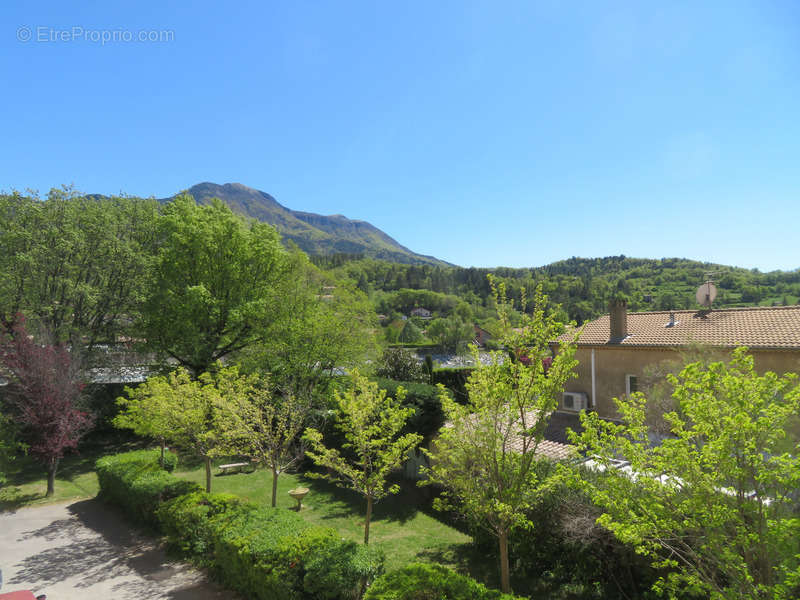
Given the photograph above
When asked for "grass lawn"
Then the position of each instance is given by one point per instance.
(75, 478)
(398, 526)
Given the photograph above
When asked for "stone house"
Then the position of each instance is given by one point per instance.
(615, 350)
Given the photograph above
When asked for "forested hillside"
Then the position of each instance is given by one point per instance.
(583, 286)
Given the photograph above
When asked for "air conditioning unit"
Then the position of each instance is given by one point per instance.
(574, 401)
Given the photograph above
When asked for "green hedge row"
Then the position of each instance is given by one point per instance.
(136, 482)
(264, 553)
(430, 582)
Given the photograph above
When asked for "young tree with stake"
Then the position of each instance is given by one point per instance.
(486, 455)
(371, 423)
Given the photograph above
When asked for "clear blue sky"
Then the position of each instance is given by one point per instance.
(484, 133)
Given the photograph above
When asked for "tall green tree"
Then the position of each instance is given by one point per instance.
(486, 455)
(451, 333)
(371, 423)
(715, 502)
(74, 265)
(213, 286)
(320, 325)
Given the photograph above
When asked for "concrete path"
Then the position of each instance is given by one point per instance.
(86, 551)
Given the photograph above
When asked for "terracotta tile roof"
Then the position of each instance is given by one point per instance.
(776, 327)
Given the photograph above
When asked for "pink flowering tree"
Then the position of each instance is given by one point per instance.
(42, 393)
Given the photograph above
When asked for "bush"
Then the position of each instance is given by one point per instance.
(265, 553)
(401, 365)
(342, 570)
(136, 482)
(455, 380)
(428, 416)
(430, 582)
(260, 551)
(568, 545)
(189, 521)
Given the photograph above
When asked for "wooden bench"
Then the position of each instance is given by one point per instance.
(234, 467)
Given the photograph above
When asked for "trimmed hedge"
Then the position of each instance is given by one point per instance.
(136, 482)
(430, 582)
(264, 553)
(342, 569)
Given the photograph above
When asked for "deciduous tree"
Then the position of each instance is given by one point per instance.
(321, 325)
(486, 454)
(75, 265)
(181, 409)
(371, 423)
(255, 422)
(716, 501)
(213, 287)
(44, 388)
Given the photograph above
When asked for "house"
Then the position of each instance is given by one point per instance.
(422, 313)
(615, 350)
(481, 336)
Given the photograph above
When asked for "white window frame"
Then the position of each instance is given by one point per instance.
(628, 383)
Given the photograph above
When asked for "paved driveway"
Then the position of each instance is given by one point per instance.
(85, 551)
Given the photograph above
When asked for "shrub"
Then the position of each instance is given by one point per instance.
(265, 553)
(428, 416)
(568, 544)
(136, 482)
(430, 582)
(189, 521)
(261, 551)
(401, 365)
(342, 570)
(455, 380)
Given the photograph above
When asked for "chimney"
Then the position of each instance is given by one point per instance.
(618, 311)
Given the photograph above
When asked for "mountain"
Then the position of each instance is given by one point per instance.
(313, 233)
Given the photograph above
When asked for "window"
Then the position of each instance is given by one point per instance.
(631, 384)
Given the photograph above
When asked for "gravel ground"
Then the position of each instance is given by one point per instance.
(83, 550)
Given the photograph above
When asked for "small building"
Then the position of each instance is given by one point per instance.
(615, 350)
(422, 313)
(481, 336)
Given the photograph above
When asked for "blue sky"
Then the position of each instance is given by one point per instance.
(483, 133)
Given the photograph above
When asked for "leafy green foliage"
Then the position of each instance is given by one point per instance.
(320, 325)
(454, 379)
(75, 266)
(451, 333)
(181, 410)
(189, 521)
(342, 570)
(260, 551)
(371, 423)
(425, 399)
(566, 549)
(264, 553)
(430, 582)
(212, 288)
(401, 365)
(582, 286)
(486, 456)
(715, 501)
(252, 422)
(136, 482)
(8, 445)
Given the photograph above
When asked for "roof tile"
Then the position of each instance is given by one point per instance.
(776, 327)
